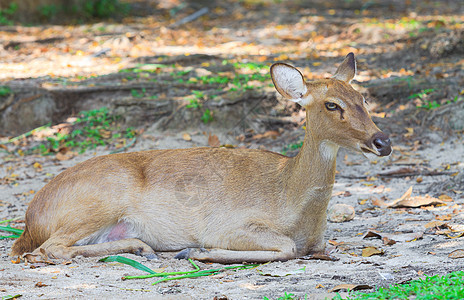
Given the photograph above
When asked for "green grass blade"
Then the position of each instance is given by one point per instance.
(2, 237)
(8, 228)
(8, 220)
(128, 261)
(10, 297)
(192, 275)
(165, 274)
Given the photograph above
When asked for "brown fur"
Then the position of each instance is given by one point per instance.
(243, 205)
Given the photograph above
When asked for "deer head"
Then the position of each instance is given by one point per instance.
(335, 112)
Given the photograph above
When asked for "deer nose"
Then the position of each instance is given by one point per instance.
(382, 143)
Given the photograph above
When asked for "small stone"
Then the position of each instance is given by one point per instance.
(341, 213)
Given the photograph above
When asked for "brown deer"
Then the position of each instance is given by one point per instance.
(218, 204)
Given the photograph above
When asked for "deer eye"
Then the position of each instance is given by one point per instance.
(331, 106)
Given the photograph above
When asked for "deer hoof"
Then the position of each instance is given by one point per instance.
(184, 254)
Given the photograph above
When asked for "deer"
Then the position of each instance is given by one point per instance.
(212, 204)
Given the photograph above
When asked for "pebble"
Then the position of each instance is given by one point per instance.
(341, 213)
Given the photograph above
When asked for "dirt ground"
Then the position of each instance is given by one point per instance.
(428, 145)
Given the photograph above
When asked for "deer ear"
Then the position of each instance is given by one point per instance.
(289, 82)
(347, 70)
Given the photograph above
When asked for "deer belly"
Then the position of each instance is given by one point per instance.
(119, 231)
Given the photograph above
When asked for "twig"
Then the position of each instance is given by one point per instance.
(398, 175)
(26, 134)
(190, 18)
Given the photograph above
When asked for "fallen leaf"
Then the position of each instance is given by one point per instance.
(186, 137)
(350, 287)
(378, 202)
(390, 239)
(434, 224)
(369, 251)
(410, 131)
(407, 201)
(445, 198)
(444, 217)
(417, 201)
(372, 233)
(65, 154)
(106, 134)
(362, 201)
(17, 261)
(268, 134)
(458, 253)
(40, 284)
(387, 241)
(213, 141)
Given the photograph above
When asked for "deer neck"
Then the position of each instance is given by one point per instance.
(311, 173)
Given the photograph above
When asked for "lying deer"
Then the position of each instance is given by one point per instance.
(240, 204)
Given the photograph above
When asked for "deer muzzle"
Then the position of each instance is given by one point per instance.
(382, 143)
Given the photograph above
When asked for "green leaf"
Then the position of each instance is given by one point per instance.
(10, 297)
(128, 261)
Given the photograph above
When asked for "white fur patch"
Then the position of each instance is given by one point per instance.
(304, 101)
(328, 151)
(355, 70)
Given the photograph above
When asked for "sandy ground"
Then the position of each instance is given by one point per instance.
(87, 278)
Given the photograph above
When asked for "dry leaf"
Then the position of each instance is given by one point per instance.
(378, 202)
(321, 256)
(454, 236)
(40, 284)
(390, 239)
(17, 261)
(410, 132)
(369, 251)
(387, 241)
(445, 198)
(268, 134)
(417, 201)
(186, 137)
(372, 233)
(106, 134)
(458, 253)
(407, 201)
(213, 141)
(319, 286)
(444, 217)
(350, 287)
(434, 224)
(65, 154)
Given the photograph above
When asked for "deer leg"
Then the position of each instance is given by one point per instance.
(251, 244)
(134, 246)
(62, 247)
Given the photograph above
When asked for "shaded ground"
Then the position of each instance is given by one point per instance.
(408, 55)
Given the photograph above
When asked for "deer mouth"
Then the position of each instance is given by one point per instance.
(374, 152)
(370, 153)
